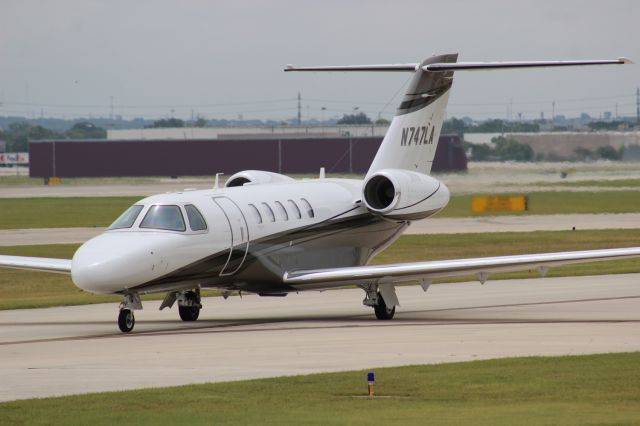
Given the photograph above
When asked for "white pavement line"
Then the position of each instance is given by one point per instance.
(524, 223)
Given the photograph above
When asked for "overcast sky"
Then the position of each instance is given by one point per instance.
(224, 58)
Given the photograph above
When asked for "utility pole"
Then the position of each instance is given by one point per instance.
(110, 107)
(299, 110)
(553, 112)
(638, 105)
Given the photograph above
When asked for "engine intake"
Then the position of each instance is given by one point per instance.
(404, 195)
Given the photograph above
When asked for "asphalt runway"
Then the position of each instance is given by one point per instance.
(523, 223)
(71, 350)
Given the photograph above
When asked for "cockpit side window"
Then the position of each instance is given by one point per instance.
(168, 218)
(128, 218)
(196, 221)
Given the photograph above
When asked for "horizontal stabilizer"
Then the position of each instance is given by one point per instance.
(478, 66)
(383, 67)
(462, 66)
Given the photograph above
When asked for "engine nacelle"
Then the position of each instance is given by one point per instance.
(255, 177)
(404, 195)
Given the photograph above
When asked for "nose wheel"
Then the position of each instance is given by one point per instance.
(126, 320)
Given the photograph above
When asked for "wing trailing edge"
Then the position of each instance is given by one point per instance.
(417, 271)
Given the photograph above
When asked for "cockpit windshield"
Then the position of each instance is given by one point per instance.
(168, 218)
(127, 219)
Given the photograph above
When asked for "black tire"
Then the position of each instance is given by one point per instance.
(126, 320)
(382, 312)
(189, 313)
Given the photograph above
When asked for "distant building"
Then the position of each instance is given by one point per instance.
(248, 132)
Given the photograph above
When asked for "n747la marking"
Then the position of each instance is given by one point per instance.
(417, 135)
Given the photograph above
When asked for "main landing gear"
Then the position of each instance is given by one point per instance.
(188, 303)
(374, 299)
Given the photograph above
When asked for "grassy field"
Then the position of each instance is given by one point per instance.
(571, 390)
(54, 212)
(26, 289)
(17, 213)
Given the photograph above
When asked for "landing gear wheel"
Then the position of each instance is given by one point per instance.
(126, 320)
(189, 313)
(382, 311)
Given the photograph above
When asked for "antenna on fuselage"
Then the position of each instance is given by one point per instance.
(215, 185)
(321, 173)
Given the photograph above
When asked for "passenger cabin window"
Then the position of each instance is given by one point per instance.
(282, 210)
(270, 214)
(168, 218)
(295, 208)
(256, 213)
(196, 221)
(127, 219)
(307, 205)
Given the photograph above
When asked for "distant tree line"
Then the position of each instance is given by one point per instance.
(458, 126)
(19, 133)
(606, 152)
(502, 149)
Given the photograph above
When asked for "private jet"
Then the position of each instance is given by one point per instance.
(270, 234)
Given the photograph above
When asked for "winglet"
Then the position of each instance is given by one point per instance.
(624, 60)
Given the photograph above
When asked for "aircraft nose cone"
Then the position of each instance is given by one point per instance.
(111, 262)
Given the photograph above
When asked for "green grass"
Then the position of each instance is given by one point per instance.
(27, 289)
(60, 212)
(571, 390)
(557, 203)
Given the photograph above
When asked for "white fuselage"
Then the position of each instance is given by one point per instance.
(123, 259)
(254, 234)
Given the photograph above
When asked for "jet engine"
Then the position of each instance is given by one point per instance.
(404, 195)
(256, 177)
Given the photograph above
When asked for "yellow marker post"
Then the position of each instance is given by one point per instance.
(54, 180)
(499, 203)
(371, 378)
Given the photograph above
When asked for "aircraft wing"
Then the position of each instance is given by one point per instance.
(424, 272)
(44, 264)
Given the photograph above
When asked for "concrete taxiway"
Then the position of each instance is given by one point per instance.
(69, 350)
(523, 223)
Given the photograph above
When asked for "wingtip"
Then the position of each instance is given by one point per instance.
(624, 60)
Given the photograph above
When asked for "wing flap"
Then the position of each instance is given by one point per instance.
(417, 271)
(44, 264)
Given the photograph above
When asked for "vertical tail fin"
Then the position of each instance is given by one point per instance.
(411, 140)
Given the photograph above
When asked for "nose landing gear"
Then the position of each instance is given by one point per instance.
(126, 319)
